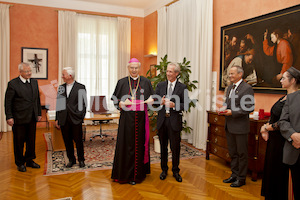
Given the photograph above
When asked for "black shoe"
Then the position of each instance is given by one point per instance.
(22, 168)
(81, 164)
(163, 175)
(177, 177)
(132, 182)
(238, 183)
(229, 180)
(70, 164)
(32, 164)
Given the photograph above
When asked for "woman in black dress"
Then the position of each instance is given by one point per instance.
(276, 173)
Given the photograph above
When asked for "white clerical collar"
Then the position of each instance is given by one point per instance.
(135, 77)
(238, 83)
(24, 80)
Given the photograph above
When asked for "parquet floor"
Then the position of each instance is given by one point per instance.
(202, 180)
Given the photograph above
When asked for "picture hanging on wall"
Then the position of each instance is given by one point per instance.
(38, 57)
(265, 46)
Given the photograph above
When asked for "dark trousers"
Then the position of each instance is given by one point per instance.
(166, 133)
(295, 171)
(72, 132)
(24, 133)
(238, 151)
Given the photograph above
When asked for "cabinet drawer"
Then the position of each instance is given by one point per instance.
(219, 151)
(217, 130)
(216, 119)
(218, 140)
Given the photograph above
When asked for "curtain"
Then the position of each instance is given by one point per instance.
(67, 36)
(97, 55)
(189, 34)
(124, 44)
(4, 61)
(161, 33)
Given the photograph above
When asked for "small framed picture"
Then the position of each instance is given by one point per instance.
(38, 57)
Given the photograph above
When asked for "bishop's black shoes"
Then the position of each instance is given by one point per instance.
(229, 180)
(177, 177)
(32, 164)
(132, 182)
(22, 168)
(163, 175)
(238, 183)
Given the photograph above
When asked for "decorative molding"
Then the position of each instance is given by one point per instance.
(85, 6)
(157, 6)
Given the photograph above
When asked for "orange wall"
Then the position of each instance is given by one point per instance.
(230, 11)
(34, 26)
(150, 37)
(137, 39)
(37, 26)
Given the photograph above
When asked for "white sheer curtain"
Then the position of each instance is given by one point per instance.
(67, 36)
(124, 44)
(189, 34)
(4, 61)
(97, 54)
(161, 33)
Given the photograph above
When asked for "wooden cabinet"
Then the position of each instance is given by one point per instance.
(217, 144)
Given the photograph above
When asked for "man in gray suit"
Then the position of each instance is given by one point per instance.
(239, 103)
(289, 124)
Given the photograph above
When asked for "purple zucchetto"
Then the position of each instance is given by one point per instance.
(133, 60)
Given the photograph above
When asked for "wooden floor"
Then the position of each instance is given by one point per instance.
(202, 179)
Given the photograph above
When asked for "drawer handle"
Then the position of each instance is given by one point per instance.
(216, 129)
(216, 140)
(216, 119)
(215, 150)
(227, 155)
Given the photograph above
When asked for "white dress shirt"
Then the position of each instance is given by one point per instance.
(69, 88)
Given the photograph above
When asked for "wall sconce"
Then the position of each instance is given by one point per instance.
(150, 55)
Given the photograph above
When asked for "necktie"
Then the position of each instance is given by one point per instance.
(232, 90)
(170, 90)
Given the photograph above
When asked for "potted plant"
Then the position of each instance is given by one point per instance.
(184, 77)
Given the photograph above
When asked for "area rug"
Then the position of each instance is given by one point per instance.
(99, 155)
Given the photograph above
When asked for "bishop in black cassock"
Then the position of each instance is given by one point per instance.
(131, 160)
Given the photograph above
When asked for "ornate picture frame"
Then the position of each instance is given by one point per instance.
(248, 43)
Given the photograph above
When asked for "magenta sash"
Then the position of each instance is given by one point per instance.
(137, 106)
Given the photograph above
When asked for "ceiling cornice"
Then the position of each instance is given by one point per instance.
(84, 6)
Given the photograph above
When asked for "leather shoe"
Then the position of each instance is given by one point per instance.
(81, 164)
(22, 168)
(229, 180)
(238, 183)
(132, 182)
(163, 175)
(177, 177)
(70, 164)
(32, 164)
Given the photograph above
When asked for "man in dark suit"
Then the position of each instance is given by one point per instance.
(70, 113)
(23, 110)
(239, 103)
(289, 124)
(169, 122)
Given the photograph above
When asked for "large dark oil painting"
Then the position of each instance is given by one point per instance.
(265, 46)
